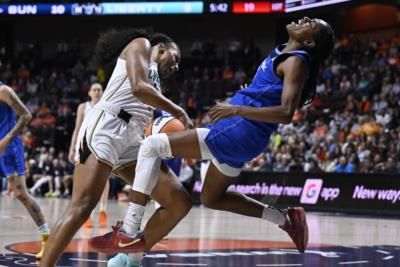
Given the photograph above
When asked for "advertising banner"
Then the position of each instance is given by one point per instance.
(335, 192)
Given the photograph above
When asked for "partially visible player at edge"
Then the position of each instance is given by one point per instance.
(12, 162)
(284, 81)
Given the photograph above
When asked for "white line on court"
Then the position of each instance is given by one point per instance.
(383, 252)
(281, 265)
(352, 262)
(87, 260)
(387, 258)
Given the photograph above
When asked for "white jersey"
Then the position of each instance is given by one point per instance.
(118, 93)
(88, 107)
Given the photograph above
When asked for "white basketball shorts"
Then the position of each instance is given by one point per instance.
(111, 139)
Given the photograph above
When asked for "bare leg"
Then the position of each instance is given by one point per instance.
(89, 181)
(175, 204)
(168, 190)
(67, 180)
(175, 201)
(18, 185)
(102, 222)
(186, 143)
(104, 197)
(214, 195)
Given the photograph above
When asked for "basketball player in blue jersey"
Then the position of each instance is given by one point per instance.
(12, 163)
(284, 81)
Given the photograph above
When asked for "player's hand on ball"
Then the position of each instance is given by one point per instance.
(184, 118)
(222, 111)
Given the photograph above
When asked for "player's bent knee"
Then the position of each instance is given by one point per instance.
(84, 207)
(208, 201)
(185, 204)
(21, 196)
(82, 212)
(156, 146)
(178, 202)
(182, 209)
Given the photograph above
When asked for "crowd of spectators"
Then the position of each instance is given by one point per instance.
(351, 126)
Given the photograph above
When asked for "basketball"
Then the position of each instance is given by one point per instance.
(164, 124)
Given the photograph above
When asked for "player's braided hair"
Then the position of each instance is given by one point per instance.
(324, 42)
(111, 43)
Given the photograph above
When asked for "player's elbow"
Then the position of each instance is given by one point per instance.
(139, 89)
(27, 117)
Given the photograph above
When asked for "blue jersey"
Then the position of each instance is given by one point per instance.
(13, 158)
(7, 118)
(237, 140)
(266, 87)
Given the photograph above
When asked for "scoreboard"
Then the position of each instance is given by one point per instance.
(164, 7)
(245, 7)
(257, 7)
(105, 8)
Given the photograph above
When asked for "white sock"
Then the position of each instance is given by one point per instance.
(44, 229)
(133, 219)
(273, 215)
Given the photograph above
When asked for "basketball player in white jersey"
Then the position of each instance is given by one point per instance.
(110, 135)
(95, 93)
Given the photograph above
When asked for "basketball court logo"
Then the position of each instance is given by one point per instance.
(311, 190)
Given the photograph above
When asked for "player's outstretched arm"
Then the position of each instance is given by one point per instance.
(138, 56)
(10, 98)
(294, 72)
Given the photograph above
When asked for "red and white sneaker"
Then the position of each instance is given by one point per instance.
(117, 241)
(296, 227)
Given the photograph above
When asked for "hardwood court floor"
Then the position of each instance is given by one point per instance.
(213, 238)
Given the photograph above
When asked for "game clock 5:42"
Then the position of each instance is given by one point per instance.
(223, 7)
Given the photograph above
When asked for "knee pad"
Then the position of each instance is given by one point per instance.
(156, 146)
(153, 149)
